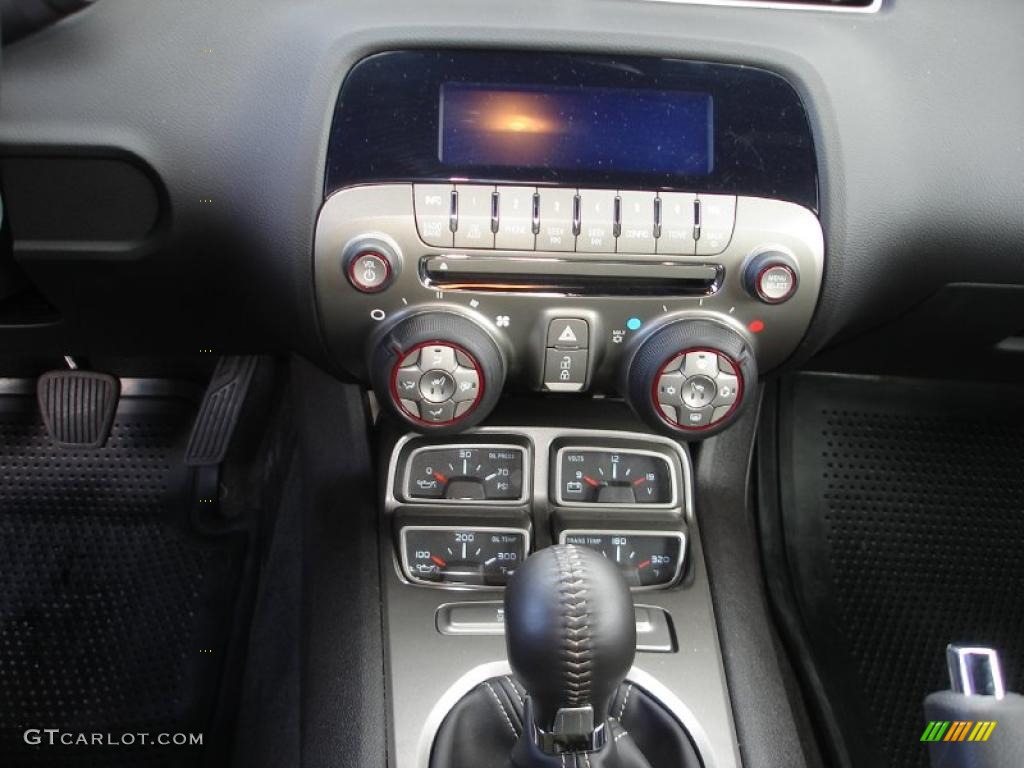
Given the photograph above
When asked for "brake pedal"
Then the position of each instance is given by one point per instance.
(78, 407)
(218, 415)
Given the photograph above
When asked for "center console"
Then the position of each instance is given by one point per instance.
(640, 228)
(596, 229)
(460, 516)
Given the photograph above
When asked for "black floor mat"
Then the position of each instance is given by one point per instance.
(115, 612)
(902, 529)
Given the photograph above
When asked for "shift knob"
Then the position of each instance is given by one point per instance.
(571, 636)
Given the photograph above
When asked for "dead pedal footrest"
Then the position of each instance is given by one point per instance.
(222, 404)
(78, 407)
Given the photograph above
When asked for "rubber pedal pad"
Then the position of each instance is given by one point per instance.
(78, 406)
(219, 412)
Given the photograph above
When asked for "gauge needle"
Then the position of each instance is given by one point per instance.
(644, 564)
(440, 478)
(591, 481)
(640, 481)
(439, 561)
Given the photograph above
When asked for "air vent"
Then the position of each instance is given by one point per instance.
(846, 6)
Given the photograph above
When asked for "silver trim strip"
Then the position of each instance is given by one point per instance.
(524, 494)
(616, 531)
(875, 6)
(407, 571)
(673, 502)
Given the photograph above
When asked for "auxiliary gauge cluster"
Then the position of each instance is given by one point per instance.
(465, 514)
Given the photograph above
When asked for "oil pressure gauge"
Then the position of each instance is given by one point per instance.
(466, 474)
(466, 557)
(646, 559)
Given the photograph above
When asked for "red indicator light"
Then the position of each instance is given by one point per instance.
(756, 326)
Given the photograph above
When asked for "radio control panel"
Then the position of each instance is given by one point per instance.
(564, 290)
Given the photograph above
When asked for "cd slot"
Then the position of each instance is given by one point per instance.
(590, 277)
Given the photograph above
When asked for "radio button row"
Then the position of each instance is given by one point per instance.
(564, 220)
(636, 226)
(432, 203)
(515, 219)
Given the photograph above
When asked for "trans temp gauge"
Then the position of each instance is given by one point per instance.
(646, 559)
(627, 477)
(474, 557)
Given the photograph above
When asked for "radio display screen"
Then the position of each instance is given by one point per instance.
(576, 128)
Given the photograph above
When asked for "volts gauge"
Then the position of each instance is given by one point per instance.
(624, 478)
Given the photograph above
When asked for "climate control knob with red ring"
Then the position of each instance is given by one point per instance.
(439, 371)
(690, 377)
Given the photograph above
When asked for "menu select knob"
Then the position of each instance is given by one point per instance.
(690, 377)
(771, 276)
(438, 371)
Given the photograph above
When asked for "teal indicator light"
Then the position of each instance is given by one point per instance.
(634, 323)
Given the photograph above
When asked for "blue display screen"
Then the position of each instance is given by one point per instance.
(566, 128)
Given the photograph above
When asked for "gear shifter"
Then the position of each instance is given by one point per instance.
(571, 638)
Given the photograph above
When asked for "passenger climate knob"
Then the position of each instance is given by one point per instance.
(437, 370)
(690, 377)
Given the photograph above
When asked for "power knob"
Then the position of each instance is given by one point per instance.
(438, 371)
(771, 276)
(371, 263)
(690, 377)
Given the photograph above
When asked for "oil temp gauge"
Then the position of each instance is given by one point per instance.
(467, 557)
(646, 559)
